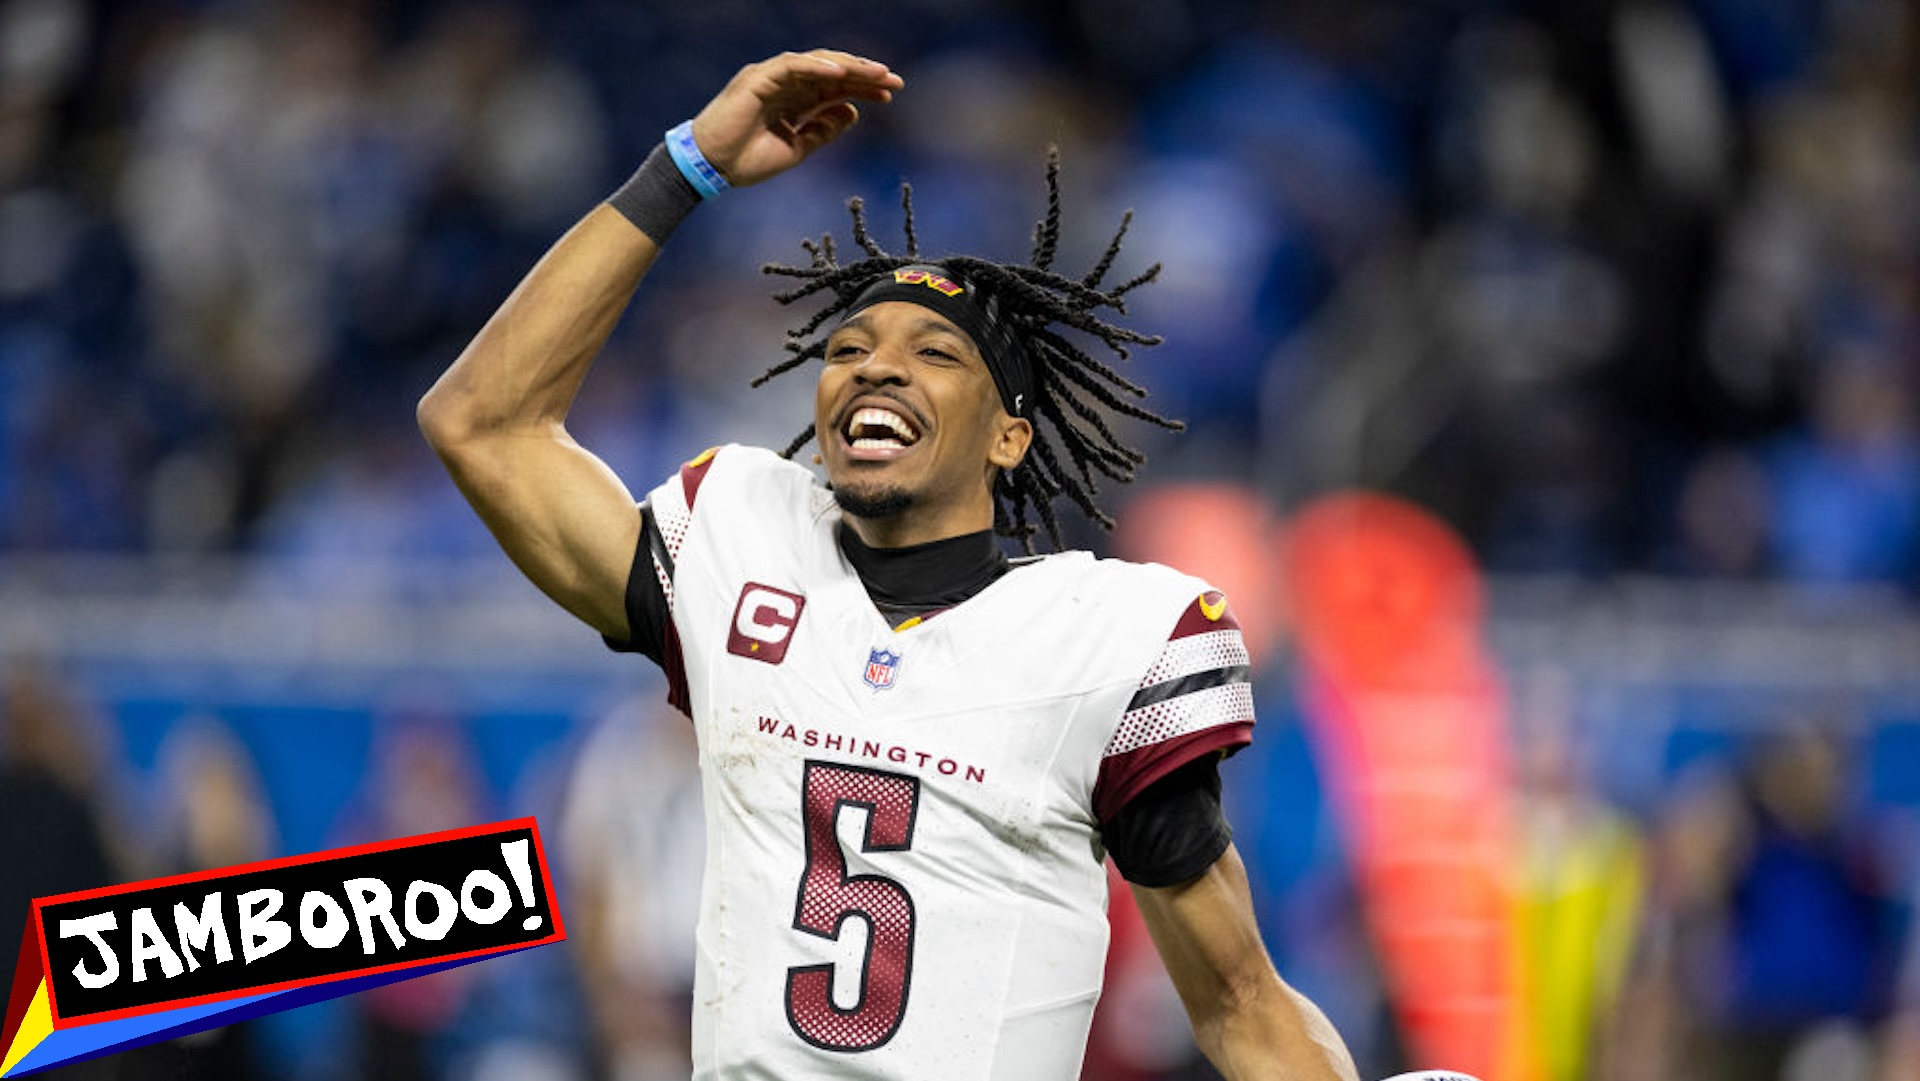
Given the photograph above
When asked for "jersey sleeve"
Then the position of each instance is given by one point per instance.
(665, 517)
(1194, 700)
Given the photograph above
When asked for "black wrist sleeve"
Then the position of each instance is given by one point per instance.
(656, 198)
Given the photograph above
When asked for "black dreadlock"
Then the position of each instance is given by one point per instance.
(1071, 387)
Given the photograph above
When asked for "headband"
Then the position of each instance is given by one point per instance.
(975, 312)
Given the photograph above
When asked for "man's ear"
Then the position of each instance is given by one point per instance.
(1010, 442)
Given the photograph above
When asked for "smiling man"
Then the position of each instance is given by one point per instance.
(916, 430)
(915, 752)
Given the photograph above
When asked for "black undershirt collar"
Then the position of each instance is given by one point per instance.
(924, 578)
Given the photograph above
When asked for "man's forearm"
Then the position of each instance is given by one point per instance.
(525, 366)
(497, 416)
(1247, 1020)
(1276, 1033)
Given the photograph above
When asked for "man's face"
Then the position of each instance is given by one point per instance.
(910, 424)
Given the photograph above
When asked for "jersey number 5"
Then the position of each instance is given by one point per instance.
(829, 897)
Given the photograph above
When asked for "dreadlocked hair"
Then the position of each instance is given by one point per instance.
(1074, 393)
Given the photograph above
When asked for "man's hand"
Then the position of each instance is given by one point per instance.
(497, 416)
(773, 114)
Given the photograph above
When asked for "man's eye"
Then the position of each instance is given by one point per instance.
(937, 354)
(843, 351)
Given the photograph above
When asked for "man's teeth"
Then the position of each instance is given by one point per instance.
(872, 428)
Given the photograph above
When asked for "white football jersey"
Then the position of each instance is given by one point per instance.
(904, 877)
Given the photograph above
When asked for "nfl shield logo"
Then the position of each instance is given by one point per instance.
(881, 666)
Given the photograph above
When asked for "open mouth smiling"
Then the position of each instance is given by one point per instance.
(878, 431)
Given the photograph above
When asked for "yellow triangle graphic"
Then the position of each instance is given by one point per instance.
(37, 1025)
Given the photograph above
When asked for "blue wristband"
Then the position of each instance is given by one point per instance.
(694, 165)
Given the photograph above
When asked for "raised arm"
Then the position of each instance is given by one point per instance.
(1245, 1018)
(497, 417)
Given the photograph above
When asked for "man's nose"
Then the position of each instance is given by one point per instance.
(883, 364)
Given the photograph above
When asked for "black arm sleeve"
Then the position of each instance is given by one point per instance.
(1173, 830)
(646, 601)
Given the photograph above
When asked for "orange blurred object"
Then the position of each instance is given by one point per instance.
(1409, 722)
(1226, 533)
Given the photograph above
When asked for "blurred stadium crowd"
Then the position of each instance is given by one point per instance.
(1618, 288)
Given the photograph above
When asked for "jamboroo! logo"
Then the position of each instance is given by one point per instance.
(113, 968)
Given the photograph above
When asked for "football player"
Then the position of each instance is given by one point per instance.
(915, 751)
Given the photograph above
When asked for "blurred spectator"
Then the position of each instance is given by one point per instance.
(214, 813)
(1581, 875)
(1527, 305)
(1662, 1029)
(1808, 930)
(1296, 190)
(1771, 942)
(1900, 1050)
(1724, 517)
(51, 826)
(214, 809)
(485, 1021)
(481, 98)
(421, 778)
(634, 837)
(1848, 489)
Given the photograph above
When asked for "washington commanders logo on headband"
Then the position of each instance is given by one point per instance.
(977, 314)
(921, 276)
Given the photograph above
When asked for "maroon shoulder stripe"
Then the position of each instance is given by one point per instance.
(692, 473)
(1123, 776)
